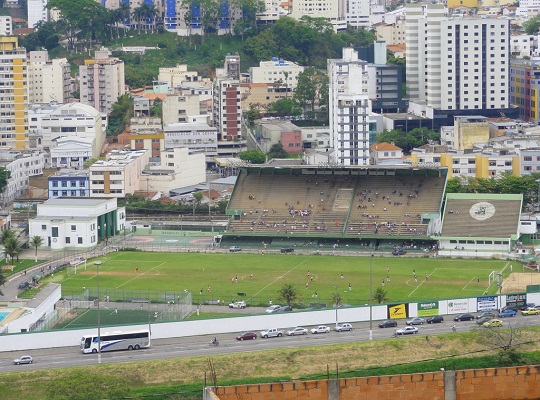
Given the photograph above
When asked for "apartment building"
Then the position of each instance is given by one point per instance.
(280, 73)
(197, 137)
(14, 94)
(77, 223)
(525, 88)
(334, 11)
(176, 76)
(179, 106)
(6, 26)
(480, 164)
(118, 175)
(37, 12)
(147, 133)
(21, 166)
(226, 107)
(529, 161)
(69, 183)
(528, 8)
(349, 108)
(101, 81)
(80, 122)
(391, 33)
(48, 80)
(179, 168)
(456, 63)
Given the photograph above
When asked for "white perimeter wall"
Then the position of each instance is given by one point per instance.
(39, 340)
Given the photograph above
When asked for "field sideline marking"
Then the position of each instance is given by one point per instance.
(80, 316)
(421, 283)
(142, 274)
(472, 279)
(275, 280)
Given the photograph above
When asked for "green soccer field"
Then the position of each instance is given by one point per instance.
(222, 276)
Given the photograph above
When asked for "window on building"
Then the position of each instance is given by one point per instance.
(68, 240)
(54, 232)
(79, 240)
(43, 227)
(55, 184)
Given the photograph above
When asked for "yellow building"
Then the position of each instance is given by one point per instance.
(470, 130)
(462, 3)
(14, 96)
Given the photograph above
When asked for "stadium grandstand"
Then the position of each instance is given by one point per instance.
(365, 206)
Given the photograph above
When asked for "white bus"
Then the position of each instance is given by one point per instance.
(134, 340)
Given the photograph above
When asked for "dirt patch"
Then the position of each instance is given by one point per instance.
(518, 281)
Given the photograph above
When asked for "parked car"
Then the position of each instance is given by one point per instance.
(464, 317)
(284, 309)
(436, 319)
(507, 313)
(490, 314)
(343, 327)
(24, 285)
(273, 309)
(513, 308)
(389, 323)
(234, 249)
(408, 330)
(287, 250)
(297, 331)
(238, 304)
(247, 336)
(399, 252)
(77, 260)
(483, 320)
(272, 332)
(415, 321)
(23, 360)
(320, 329)
(493, 323)
(531, 311)
(526, 306)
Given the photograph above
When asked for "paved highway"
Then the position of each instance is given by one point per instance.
(199, 346)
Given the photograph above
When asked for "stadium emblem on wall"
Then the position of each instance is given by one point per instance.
(482, 210)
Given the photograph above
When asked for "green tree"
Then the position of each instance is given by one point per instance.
(285, 107)
(4, 177)
(251, 115)
(253, 156)
(120, 116)
(532, 25)
(157, 109)
(287, 293)
(380, 295)
(310, 88)
(12, 248)
(277, 151)
(408, 140)
(35, 242)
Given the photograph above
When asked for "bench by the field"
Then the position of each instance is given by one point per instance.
(317, 305)
(241, 294)
(213, 302)
(140, 300)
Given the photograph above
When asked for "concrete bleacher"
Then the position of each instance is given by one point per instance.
(266, 202)
(460, 218)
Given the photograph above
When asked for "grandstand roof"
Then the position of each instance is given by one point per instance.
(475, 215)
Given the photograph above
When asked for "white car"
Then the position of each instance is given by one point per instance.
(238, 304)
(343, 327)
(320, 329)
(234, 249)
(297, 331)
(273, 309)
(23, 360)
(409, 330)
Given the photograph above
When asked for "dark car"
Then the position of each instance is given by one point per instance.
(287, 250)
(247, 336)
(398, 252)
(284, 309)
(512, 308)
(436, 319)
(525, 306)
(484, 314)
(24, 285)
(388, 324)
(464, 317)
(507, 313)
(481, 321)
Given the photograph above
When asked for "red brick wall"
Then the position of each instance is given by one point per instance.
(516, 383)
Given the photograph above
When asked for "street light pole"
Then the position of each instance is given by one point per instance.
(336, 301)
(97, 264)
(371, 297)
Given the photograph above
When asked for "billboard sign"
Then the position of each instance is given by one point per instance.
(397, 311)
(458, 306)
(426, 309)
(487, 303)
(517, 299)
